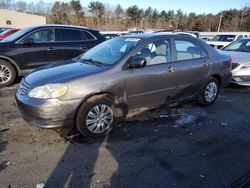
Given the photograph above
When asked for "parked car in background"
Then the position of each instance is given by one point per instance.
(164, 30)
(2, 29)
(196, 33)
(99, 87)
(133, 32)
(240, 53)
(185, 33)
(222, 40)
(33, 47)
(7, 32)
(108, 36)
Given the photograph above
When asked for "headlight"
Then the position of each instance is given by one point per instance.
(246, 66)
(48, 91)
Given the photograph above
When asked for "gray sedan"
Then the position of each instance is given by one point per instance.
(240, 53)
(101, 86)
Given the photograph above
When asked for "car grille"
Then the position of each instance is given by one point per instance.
(235, 65)
(23, 88)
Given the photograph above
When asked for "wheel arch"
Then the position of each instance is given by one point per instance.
(121, 107)
(217, 77)
(12, 62)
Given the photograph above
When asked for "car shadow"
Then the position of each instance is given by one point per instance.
(83, 162)
(3, 145)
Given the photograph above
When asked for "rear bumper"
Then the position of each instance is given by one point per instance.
(226, 78)
(51, 113)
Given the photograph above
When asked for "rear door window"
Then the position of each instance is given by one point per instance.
(69, 35)
(89, 36)
(186, 50)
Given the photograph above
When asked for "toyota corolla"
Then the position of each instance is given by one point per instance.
(93, 91)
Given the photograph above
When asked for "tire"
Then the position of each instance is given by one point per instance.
(204, 97)
(86, 113)
(7, 74)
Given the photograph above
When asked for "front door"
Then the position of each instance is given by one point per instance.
(153, 84)
(41, 51)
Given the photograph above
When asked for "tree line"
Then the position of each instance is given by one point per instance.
(106, 17)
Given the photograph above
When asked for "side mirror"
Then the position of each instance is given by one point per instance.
(28, 41)
(137, 62)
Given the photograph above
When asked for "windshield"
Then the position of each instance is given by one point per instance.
(16, 34)
(111, 51)
(239, 46)
(224, 38)
(3, 29)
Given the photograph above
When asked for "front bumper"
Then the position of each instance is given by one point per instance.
(50, 113)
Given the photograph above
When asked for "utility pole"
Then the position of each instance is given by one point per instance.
(220, 22)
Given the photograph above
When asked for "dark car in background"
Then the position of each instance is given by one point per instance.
(126, 73)
(108, 36)
(7, 33)
(32, 47)
(2, 29)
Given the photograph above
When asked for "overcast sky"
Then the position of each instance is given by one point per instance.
(197, 6)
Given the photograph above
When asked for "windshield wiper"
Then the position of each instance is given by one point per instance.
(97, 63)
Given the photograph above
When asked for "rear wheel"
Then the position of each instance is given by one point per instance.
(7, 73)
(96, 117)
(209, 92)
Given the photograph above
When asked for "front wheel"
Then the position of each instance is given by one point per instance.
(209, 92)
(96, 117)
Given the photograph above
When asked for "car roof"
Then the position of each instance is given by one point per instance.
(155, 35)
(62, 26)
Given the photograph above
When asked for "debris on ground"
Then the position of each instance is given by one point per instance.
(4, 130)
(224, 124)
(40, 185)
(202, 176)
(4, 164)
(164, 116)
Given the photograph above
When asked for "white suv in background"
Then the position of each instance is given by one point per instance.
(222, 40)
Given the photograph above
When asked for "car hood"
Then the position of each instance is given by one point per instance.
(237, 57)
(61, 72)
(3, 45)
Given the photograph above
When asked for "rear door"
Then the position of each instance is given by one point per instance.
(73, 42)
(191, 68)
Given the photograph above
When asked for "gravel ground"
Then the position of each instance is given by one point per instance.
(182, 146)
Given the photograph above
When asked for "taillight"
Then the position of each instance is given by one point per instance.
(228, 64)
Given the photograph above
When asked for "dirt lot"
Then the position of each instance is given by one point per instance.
(182, 146)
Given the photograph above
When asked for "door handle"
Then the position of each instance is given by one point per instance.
(83, 48)
(206, 64)
(171, 69)
(50, 49)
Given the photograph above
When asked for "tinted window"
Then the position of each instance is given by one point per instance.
(240, 37)
(88, 35)
(225, 38)
(188, 50)
(71, 35)
(157, 52)
(44, 35)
